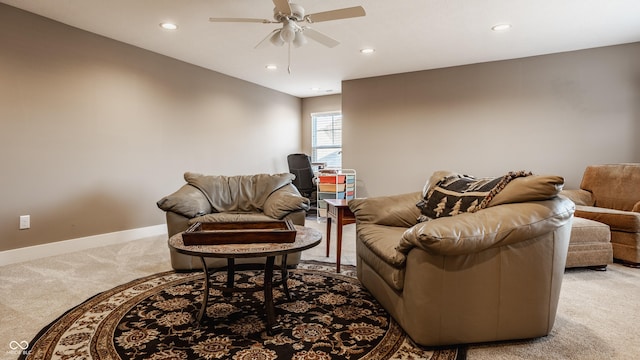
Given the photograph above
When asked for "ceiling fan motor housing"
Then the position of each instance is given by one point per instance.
(297, 13)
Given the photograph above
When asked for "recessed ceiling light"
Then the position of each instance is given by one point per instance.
(501, 27)
(168, 26)
(315, 89)
(271, 67)
(368, 51)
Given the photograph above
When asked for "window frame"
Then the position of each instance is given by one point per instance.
(336, 116)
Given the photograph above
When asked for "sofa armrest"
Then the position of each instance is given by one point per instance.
(618, 220)
(579, 196)
(283, 201)
(395, 210)
(187, 201)
(488, 228)
(636, 207)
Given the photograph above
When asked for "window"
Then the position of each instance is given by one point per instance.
(326, 139)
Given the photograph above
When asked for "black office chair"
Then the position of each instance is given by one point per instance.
(300, 166)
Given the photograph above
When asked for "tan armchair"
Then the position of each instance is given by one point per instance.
(217, 198)
(490, 275)
(610, 194)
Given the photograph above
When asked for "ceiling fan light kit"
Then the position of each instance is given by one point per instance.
(289, 14)
(288, 31)
(276, 39)
(299, 39)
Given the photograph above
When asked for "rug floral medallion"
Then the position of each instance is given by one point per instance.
(331, 316)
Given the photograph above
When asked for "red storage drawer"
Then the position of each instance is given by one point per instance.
(332, 179)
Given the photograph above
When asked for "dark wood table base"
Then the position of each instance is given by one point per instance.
(306, 238)
(230, 288)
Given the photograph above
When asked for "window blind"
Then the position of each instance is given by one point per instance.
(326, 138)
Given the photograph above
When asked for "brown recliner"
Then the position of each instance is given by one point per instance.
(610, 194)
(491, 275)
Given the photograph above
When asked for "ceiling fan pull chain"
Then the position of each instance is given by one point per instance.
(289, 60)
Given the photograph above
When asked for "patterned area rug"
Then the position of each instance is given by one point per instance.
(330, 317)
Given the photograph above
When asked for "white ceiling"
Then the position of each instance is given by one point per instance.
(408, 35)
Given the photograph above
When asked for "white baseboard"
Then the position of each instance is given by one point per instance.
(67, 246)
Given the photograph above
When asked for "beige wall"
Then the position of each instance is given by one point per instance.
(94, 131)
(548, 114)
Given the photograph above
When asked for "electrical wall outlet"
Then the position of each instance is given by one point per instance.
(25, 222)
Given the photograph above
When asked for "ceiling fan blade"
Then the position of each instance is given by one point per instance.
(243, 20)
(337, 14)
(320, 37)
(282, 6)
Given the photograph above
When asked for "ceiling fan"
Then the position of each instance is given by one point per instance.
(294, 29)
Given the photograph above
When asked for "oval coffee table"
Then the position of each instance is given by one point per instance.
(306, 238)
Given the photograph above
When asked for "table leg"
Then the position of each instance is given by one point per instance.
(284, 273)
(338, 243)
(328, 232)
(231, 271)
(205, 291)
(268, 296)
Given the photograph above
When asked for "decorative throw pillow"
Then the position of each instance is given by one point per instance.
(456, 194)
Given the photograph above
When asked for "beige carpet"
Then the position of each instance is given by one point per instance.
(598, 315)
(319, 253)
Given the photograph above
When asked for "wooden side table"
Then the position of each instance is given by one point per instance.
(339, 210)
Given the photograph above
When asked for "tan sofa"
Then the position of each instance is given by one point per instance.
(610, 194)
(215, 198)
(490, 275)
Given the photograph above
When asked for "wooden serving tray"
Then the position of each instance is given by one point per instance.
(240, 232)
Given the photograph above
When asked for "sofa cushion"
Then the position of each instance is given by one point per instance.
(392, 275)
(187, 201)
(242, 193)
(457, 194)
(529, 188)
(382, 241)
(618, 220)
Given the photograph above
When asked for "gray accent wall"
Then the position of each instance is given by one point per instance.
(552, 114)
(95, 131)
